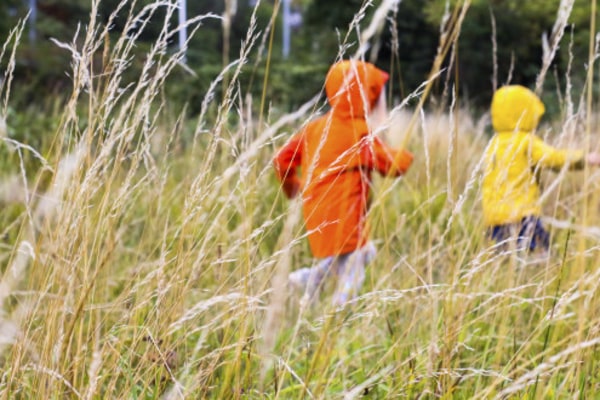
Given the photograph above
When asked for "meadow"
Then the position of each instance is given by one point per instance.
(145, 252)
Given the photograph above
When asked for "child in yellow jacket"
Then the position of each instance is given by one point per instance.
(513, 158)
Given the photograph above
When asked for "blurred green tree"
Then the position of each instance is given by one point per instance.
(519, 27)
(408, 42)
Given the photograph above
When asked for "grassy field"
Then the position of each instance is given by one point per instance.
(145, 255)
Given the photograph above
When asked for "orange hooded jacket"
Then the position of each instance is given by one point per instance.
(336, 154)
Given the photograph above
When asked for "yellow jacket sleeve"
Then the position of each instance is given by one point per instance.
(546, 156)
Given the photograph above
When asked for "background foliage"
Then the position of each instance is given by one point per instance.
(415, 27)
(519, 29)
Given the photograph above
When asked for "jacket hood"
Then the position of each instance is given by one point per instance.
(516, 108)
(353, 87)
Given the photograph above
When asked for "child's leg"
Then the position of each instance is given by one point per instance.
(317, 275)
(351, 273)
(309, 280)
(533, 236)
(505, 236)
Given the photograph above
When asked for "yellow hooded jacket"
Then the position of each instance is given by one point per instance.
(515, 155)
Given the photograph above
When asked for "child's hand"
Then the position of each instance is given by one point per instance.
(291, 187)
(593, 159)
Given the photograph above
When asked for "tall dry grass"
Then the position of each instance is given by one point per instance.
(148, 271)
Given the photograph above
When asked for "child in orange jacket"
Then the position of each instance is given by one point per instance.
(336, 154)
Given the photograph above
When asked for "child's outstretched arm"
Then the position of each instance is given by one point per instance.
(546, 156)
(385, 160)
(286, 163)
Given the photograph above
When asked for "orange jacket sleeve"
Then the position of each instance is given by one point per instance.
(385, 160)
(286, 163)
